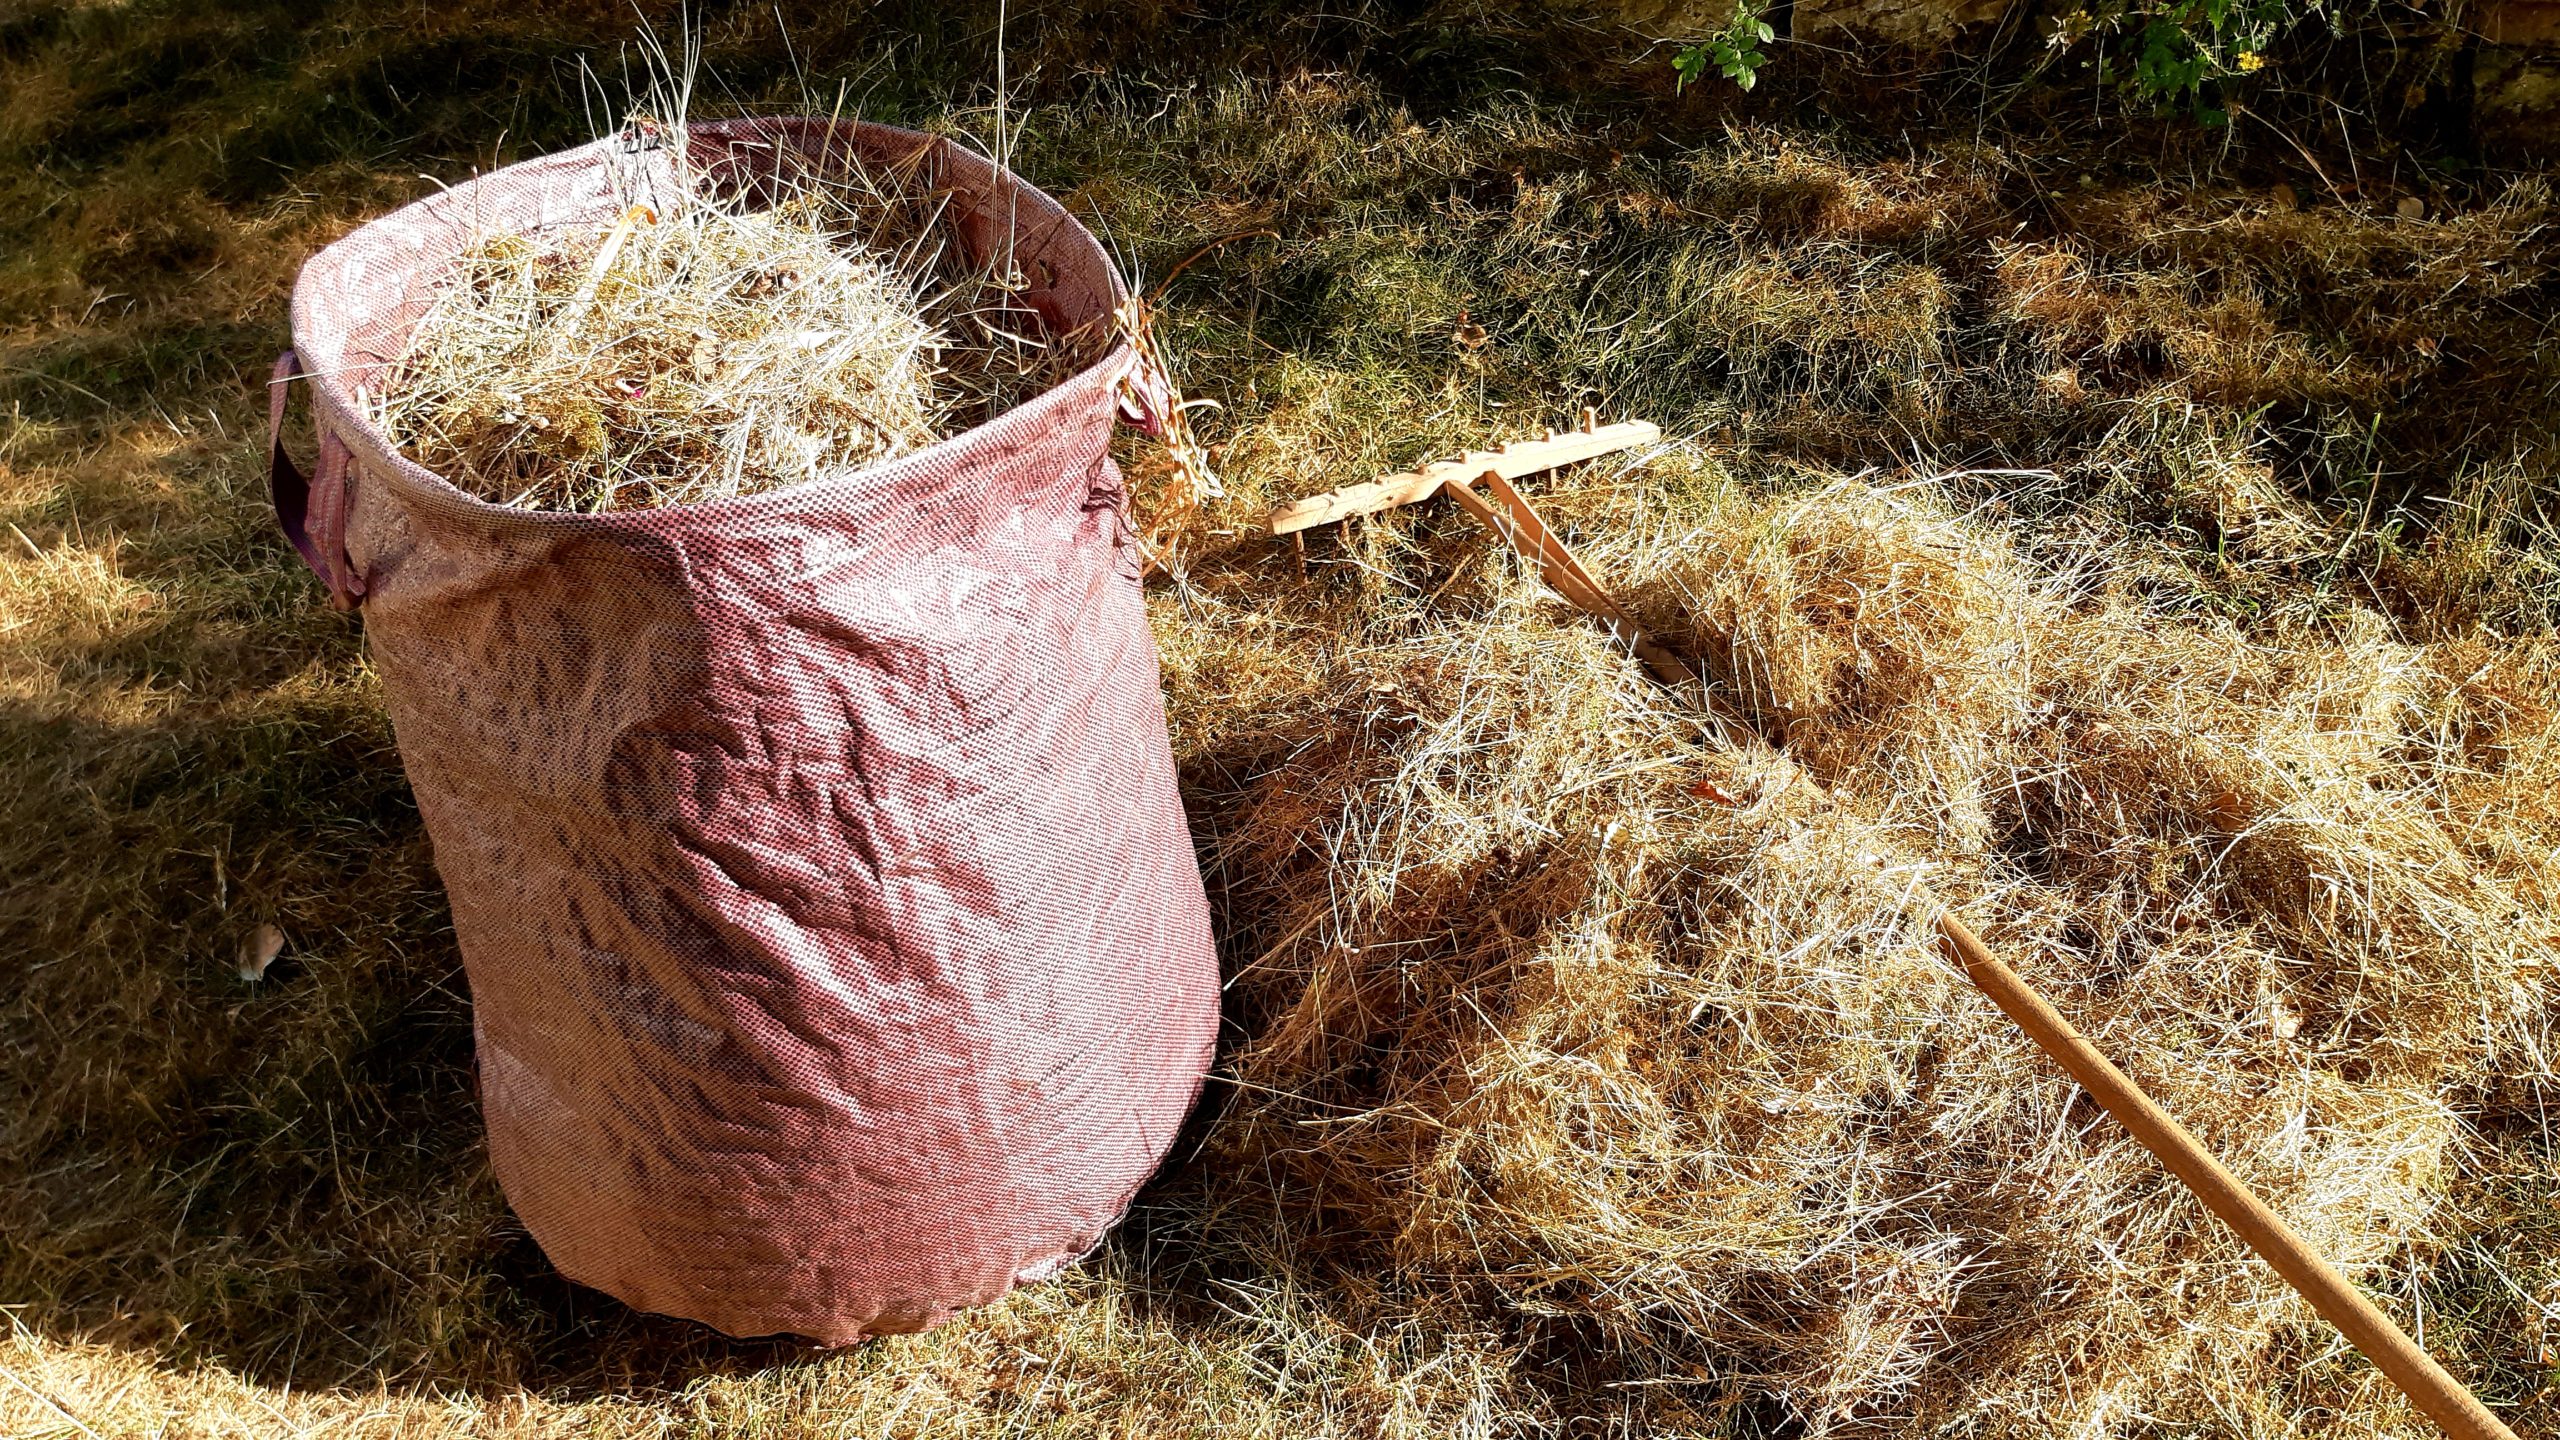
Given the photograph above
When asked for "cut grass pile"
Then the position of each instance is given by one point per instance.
(2159, 572)
(1589, 1006)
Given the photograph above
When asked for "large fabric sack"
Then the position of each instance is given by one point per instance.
(837, 951)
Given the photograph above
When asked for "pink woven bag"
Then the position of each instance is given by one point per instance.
(837, 951)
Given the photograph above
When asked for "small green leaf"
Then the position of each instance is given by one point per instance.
(1688, 65)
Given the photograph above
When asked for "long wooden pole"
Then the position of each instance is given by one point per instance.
(2443, 1399)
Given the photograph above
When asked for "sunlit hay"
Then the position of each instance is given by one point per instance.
(1556, 990)
(1773, 183)
(2495, 727)
(1094, 1352)
(1823, 319)
(65, 600)
(1499, 1033)
(2196, 779)
(2146, 287)
(727, 348)
(717, 354)
(1865, 632)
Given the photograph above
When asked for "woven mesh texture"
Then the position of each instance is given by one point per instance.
(836, 945)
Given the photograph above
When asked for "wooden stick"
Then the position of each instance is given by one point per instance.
(2444, 1399)
(2439, 1396)
(1562, 579)
(1517, 522)
(1667, 667)
(1526, 517)
(565, 329)
(1526, 457)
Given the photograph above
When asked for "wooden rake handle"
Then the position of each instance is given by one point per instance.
(2442, 1398)
(1517, 522)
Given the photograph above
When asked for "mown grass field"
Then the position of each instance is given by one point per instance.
(2128, 521)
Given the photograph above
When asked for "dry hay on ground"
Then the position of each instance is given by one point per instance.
(721, 349)
(1560, 992)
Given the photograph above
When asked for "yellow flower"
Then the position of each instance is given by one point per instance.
(2250, 62)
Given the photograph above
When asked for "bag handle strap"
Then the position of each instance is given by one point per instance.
(296, 508)
(1144, 393)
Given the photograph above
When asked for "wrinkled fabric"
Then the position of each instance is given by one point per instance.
(837, 951)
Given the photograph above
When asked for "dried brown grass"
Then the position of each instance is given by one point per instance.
(1574, 996)
(735, 345)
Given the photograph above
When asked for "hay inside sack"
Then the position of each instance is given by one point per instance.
(725, 347)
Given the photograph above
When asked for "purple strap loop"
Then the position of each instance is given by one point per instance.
(314, 523)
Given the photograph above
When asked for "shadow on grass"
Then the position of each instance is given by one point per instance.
(286, 1177)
